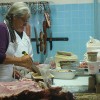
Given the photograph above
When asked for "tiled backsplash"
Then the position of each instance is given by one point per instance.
(75, 21)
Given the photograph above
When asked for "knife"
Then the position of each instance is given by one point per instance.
(44, 36)
(50, 39)
(34, 67)
(41, 42)
(37, 41)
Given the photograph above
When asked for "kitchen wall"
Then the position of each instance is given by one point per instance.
(97, 18)
(74, 20)
(70, 18)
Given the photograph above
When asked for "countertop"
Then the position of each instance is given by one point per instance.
(87, 96)
(78, 84)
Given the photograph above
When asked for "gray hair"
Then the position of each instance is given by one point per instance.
(18, 9)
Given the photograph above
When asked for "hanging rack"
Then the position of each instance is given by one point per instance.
(34, 6)
(53, 39)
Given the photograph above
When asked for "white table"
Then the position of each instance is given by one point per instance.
(79, 83)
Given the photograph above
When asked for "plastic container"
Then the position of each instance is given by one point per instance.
(51, 62)
(45, 73)
(93, 67)
(93, 44)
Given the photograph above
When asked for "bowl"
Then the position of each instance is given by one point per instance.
(63, 74)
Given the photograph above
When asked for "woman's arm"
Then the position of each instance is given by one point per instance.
(4, 41)
(24, 61)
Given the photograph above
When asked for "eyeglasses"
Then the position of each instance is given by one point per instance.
(24, 20)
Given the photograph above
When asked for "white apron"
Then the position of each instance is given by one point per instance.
(15, 49)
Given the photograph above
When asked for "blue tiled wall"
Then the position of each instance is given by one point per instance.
(75, 21)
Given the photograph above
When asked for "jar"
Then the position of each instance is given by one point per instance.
(92, 56)
(93, 67)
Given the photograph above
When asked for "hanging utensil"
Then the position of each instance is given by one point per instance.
(45, 42)
(48, 23)
(41, 42)
(37, 41)
(34, 67)
(44, 36)
(50, 41)
(47, 16)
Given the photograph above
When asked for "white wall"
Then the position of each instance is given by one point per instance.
(98, 1)
(52, 1)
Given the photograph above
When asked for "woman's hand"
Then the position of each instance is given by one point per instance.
(24, 61)
(27, 62)
(36, 63)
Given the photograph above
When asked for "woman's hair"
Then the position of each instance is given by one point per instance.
(18, 9)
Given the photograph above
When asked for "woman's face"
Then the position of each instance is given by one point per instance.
(19, 23)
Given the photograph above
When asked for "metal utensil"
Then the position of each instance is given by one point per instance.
(37, 41)
(50, 41)
(45, 72)
(34, 67)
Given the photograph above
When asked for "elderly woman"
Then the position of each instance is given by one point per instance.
(13, 41)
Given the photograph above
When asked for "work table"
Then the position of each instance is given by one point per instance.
(78, 84)
(87, 96)
(79, 87)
